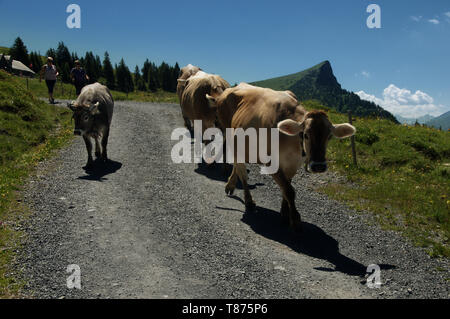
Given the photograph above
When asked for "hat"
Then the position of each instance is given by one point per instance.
(77, 61)
(50, 59)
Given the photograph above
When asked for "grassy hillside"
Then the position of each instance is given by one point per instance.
(29, 131)
(403, 176)
(319, 83)
(4, 50)
(66, 91)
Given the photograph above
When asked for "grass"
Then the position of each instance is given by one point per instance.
(65, 91)
(30, 131)
(403, 177)
(4, 50)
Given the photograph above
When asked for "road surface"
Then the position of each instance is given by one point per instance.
(144, 227)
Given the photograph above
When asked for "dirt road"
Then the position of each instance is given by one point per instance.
(144, 227)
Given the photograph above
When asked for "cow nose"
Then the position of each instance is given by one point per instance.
(77, 132)
(318, 167)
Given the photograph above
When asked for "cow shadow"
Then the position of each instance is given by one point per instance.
(100, 169)
(220, 172)
(312, 241)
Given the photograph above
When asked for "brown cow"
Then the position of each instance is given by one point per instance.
(93, 111)
(304, 137)
(185, 73)
(194, 104)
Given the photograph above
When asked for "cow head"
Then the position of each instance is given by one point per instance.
(316, 130)
(83, 116)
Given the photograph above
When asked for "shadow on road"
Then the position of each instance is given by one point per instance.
(220, 172)
(100, 169)
(313, 241)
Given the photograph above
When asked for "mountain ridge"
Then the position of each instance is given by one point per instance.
(442, 121)
(319, 83)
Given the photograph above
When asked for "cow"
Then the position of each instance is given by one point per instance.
(304, 137)
(194, 104)
(92, 112)
(185, 72)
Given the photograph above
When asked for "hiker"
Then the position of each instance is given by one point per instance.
(79, 77)
(50, 74)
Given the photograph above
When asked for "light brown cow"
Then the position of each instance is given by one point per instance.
(194, 104)
(304, 137)
(185, 73)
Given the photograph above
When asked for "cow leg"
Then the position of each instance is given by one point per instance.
(88, 143)
(285, 211)
(105, 137)
(232, 180)
(187, 123)
(288, 193)
(97, 148)
(241, 171)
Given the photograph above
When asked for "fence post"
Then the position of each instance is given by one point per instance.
(352, 140)
(27, 83)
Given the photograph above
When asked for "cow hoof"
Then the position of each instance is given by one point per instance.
(89, 166)
(229, 190)
(250, 206)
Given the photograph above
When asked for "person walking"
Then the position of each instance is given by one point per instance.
(79, 77)
(50, 75)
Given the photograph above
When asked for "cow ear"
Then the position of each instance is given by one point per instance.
(343, 130)
(290, 127)
(211, 101)
(94, 108)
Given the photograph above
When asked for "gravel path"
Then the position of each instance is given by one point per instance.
(144, 227)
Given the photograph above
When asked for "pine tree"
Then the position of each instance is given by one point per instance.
(152, 76)
(108, 72)
(65, 74)
(36, 61)
(63, 56)
(164, 76)
(50, 53)
(124, 78)
(146, 69)
(138, 80)
(19, 52)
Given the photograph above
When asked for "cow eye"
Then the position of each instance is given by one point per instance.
(86, 117)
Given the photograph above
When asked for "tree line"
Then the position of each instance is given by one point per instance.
(118, 77)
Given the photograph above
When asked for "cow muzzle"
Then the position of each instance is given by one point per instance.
(318, 167)
(77, 132)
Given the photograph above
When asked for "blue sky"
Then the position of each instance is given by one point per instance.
(404, 66)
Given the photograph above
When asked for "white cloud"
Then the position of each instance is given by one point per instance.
(365, 74)
(447, 14)
(416, 18)
(433, 21)
(405, 103)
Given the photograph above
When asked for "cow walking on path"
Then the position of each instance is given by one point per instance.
(92, 112)
(194, 105)
(304, 137)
